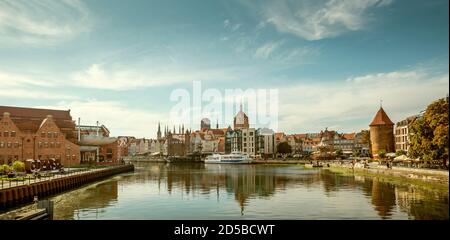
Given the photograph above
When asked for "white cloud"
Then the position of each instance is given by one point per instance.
(314, 20)
(266, 50)
(9, 79)
(345, 104)
(19, 93)
(226, 23)
(120, 119)
(101, 77)
(41, 21)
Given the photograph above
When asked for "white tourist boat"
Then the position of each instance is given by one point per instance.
(233, 158)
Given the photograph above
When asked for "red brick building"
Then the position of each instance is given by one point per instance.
(29, 133)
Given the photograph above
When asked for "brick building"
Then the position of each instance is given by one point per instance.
(29, 133)
(381, 134)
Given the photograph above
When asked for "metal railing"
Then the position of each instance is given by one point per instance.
(50, 175)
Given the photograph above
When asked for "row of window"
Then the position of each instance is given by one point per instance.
(43, 134)
(401, 139)
(49, 134)
(8, 134)
(399, 131)
(49, 145)
(9, 145)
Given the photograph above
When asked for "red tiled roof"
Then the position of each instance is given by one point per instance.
(29, 119)
(381, 118)
(349, 136)
(35, 112)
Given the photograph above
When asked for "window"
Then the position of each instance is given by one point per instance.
(16, 145)
(6, 134)
(55, 134)
(39, 144)
(2, 144)
(43, 134)
(46, 145)
(49, 134)
(13, 134)
(58, 145)
(9, 145)
(52, 145)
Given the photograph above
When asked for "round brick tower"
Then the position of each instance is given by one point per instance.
(381, 133)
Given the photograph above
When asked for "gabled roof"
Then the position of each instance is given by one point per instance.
(30, 119)
(381, 118)
(349, 136)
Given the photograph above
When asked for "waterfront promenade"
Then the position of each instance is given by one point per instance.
(21, 192)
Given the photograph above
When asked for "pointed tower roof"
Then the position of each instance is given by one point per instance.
(381, 118)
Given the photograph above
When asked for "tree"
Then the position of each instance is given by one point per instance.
(18, 166)
(400, 152)
(382, 154)
(429, 133)
(356, 153)
(339, 153)
(365, 136)
(4, 169)
(284, 148)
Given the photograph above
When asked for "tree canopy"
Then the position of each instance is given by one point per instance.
(429, 133)
(284, 148)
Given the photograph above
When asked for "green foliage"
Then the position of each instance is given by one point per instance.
(400, 152)
(365, 136)
(18, 166)
(339, 153)
(429, 134)
(284, 148)
(382, 154)
(4, 168)
(356, 153)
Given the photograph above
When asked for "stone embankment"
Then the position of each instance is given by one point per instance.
(427, 175)
(25, 193)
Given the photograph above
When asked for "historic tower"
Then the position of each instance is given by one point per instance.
(241, 120)
(381, 133)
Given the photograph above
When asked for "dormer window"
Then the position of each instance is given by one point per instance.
(13, 134)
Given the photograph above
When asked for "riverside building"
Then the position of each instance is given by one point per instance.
(31, 133)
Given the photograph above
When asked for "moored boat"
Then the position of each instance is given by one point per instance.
(233, 158)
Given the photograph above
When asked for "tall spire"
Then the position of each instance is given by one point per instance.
(158, 134)
(217, 124)
(240, 106)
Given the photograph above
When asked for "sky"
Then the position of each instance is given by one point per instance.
(119, 62)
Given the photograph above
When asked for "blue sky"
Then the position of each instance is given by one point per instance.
(332, 61)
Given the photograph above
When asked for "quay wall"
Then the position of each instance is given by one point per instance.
(14, 196)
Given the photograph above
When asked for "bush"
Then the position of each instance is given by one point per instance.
(18, 166)
(4, 169)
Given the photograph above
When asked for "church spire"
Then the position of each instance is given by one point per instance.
(158, 134)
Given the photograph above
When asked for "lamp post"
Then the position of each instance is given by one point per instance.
(70, 156)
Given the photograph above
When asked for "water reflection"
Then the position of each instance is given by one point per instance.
(259, 191)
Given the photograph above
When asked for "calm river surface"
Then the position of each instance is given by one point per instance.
(199, 191)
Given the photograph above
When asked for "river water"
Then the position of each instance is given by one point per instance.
(211, 191)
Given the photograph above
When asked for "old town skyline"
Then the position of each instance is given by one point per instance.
(330, 72)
